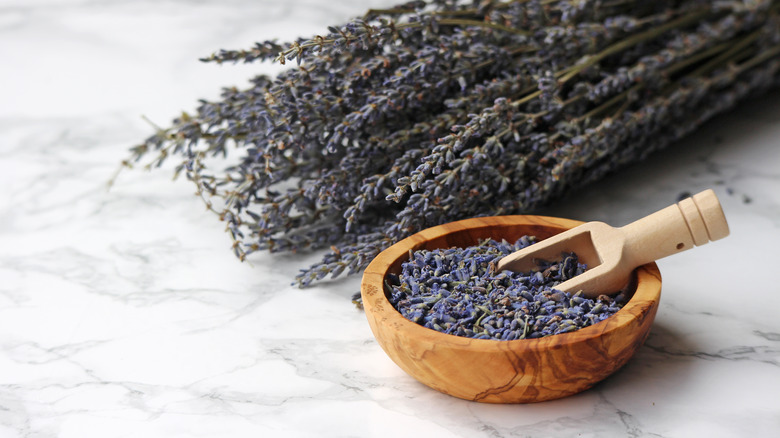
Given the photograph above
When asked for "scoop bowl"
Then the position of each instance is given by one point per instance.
(491, 371)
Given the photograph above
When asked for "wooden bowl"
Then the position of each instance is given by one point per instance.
(491, 371)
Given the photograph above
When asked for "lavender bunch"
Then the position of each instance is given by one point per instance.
(433, 111)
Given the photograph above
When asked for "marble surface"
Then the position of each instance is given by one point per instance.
(124, 314)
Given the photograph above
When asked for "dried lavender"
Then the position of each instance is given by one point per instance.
(433, 111)
(457, 291)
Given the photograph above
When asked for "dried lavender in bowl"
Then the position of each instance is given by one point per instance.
(434, 111)
(457, 291)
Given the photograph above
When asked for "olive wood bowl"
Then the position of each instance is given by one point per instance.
(492, 371)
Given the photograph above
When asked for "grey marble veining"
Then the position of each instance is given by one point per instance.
(123, 312)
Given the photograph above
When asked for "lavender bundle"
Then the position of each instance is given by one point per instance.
(433, 111)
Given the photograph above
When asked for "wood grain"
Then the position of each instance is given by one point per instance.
(521, 371)
(612, 254)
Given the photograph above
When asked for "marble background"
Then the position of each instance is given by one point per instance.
(124, 314)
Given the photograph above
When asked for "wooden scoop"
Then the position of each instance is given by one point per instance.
(612, 253)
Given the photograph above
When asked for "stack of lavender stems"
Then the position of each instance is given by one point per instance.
(433, 111)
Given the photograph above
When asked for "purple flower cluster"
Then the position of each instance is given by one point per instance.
(433, 111)
(457, 291)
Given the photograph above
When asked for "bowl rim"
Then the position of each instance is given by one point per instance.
(376, 304)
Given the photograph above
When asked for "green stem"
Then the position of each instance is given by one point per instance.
(681, 65)
(736, 49)
(586, 61)
(762, 57)
(623, 96)
(590, 60)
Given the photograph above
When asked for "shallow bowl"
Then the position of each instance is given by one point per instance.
(520, 371)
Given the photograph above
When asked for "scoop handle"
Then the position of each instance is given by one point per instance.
(691, 222)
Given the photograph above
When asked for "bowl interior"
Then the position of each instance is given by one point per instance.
(473, 231)
(541, 228)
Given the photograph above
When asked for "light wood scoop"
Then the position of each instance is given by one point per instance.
(612, 253)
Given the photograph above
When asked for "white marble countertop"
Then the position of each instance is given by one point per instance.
(124, 314)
